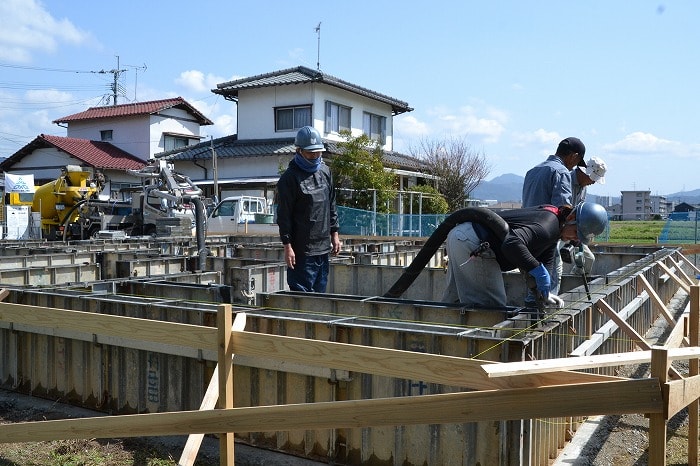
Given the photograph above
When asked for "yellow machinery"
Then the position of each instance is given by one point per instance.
(59, 201)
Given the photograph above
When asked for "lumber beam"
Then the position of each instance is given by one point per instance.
(675, 277)
(631, 332)
(434, 368)
(132, 328)
(509, 369)
(613, 397)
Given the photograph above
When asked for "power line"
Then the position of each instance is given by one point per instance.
(39, 68)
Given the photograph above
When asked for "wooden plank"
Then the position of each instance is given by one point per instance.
(675, 278)
(660, 366)
(614, 397)
(631, 333)
(660, 306)
(693, 371)
(677, 336)
(508, 369)
(225, 379)
(396, 363)
(681, 272)
(690, 264)
(682, 393)
(211, 396)
(434, 368)
(169, 333)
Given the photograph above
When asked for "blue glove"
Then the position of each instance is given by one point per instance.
(542, 280)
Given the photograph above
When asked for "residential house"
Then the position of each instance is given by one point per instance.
(270, 109)
(142, 128)
(46, 155)
(113, 139)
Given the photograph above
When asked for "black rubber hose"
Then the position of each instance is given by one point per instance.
(486, 217)
(200, 231)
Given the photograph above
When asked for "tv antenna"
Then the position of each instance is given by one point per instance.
(318, 47)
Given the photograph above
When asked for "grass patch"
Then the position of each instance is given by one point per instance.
(635, 231)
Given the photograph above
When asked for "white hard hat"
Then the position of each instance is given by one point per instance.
(595, 169)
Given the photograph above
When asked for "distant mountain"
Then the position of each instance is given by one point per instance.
(691, 197)
(509, 188)
(503, 188)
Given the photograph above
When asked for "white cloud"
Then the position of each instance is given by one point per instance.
(197, 81)
(27, 28)
(545, 141)
(644, 143)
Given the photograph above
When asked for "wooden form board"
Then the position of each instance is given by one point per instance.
(613, 397)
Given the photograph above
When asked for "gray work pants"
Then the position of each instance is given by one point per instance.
(478, 282)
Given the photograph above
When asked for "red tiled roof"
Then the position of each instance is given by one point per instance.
(138, 108)
(95, 153)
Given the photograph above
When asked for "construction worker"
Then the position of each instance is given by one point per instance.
(550, 183)
(581, 178)
(478, 257)
(306, 214)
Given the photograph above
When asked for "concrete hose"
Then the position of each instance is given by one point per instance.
(486, 217)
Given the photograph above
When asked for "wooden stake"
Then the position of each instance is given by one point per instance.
(223, 323)
(194, 441)
(657, 421)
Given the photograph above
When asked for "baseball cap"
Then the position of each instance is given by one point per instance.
(572, 144)
(596, 169)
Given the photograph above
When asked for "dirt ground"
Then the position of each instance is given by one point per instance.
(152, 451)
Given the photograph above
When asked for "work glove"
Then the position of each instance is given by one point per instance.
(579, 259)
(555, 301)
(542, 280)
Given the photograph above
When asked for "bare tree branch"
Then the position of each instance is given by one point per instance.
(459, 168)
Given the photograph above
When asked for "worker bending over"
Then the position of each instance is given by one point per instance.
(529, 245)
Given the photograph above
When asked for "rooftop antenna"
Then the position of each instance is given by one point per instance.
(318, 47)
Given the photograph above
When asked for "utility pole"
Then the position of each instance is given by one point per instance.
(215, 168)
(318, 47)
(115, 83)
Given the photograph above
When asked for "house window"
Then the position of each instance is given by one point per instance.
(106, 135)
(374, 126)
(291, 118)
(174, 142)
(337, 117)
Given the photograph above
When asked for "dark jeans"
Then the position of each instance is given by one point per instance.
(309, 274)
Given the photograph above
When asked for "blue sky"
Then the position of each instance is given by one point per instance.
(513, 77)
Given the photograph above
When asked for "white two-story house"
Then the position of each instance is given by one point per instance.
(271, 108)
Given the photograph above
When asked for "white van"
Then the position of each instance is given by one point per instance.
(238, 214)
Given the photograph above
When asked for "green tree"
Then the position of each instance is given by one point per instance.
(358, 170)
(432, 202)
(458, 168)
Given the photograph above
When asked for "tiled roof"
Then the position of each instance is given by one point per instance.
(94, 153)
(135, 109)
(231, 146)
(301, 75)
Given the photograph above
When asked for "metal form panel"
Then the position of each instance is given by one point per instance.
(97, 374)
(148, 267)
(47, 276)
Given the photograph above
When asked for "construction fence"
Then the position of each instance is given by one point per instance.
(680, 228)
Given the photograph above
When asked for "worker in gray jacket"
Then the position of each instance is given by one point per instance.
(550, 183)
